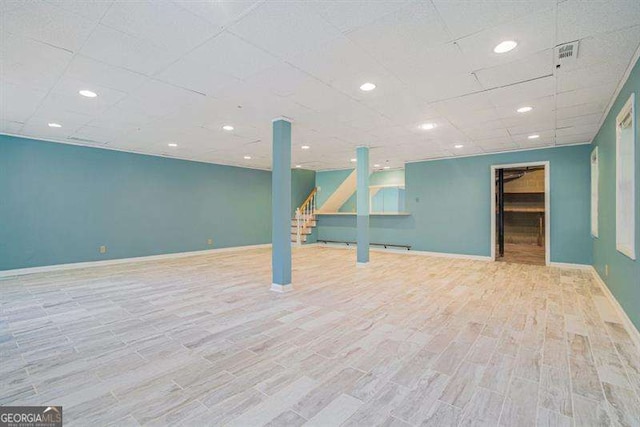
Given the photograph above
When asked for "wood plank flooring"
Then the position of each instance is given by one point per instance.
(522, 253)
(408, 340)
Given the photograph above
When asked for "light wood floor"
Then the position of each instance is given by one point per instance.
(522, 253)
(407, 340)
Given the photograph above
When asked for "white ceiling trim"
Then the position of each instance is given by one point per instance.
(621, 83)
(142, 153)
(497, 152)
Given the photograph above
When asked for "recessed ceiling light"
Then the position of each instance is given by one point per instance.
(533, 136)
(173, 144)
(524, 109)
(228, 127)
(55, 125)
(458, 146)
(305, 147)
(376, 165)
(247, 157)
(427, 126)
(505, 46)
(354, 160)
(88, 93)
(298, 166)
(367, 87)
(387, 167)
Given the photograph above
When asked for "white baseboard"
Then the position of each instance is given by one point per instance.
(408, 252)
(281, 288)
(569, 265)
(628, 324)
(77, 265)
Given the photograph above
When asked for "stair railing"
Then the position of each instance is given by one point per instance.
(305, 214)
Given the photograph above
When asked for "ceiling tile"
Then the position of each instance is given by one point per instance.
(465, 17)
(10, 5)
(419, 66)
(154, 63)
(494, 148)
(534, 33)
(65, 96)
(536, 66)
(578, 130)
(579, 21)
(167, 25)
(533, 127)
(92, 10)
(158, 98)
(402, 107)
(123, 50)
(614, 48)
(31, 63)
(586, 120)
(10, 127)
(282, 80)
(98, 73)
(491, 130)
(191, 75)
(349, 15)
(46, 23)
(594, 94)
(100, 134)
(70, 120)
(522, 93)
(37, 125)
(345, 66)
(402, 34)
(219, 12)
(588, 77)
(229, 54)
(265, 27)
(575, 139)
(446, 87)
(581, 110)
(542, 107)
(18, 102)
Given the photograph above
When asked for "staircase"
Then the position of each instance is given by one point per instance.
(305, 219)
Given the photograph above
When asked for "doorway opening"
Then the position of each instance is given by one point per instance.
(520, 213)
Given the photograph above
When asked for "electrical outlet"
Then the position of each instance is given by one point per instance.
(210, 242)
(606, 269)
(103, 249)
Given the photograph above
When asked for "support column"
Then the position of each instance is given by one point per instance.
(362, 191)
(281, 206)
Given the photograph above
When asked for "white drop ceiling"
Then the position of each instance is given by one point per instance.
(177, 71)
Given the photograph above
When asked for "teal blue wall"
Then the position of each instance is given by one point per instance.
(624, 273)
(450, 203)
(302, 183)
(328, 181)
(59, 203)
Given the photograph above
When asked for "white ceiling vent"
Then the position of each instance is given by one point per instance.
(566, 53)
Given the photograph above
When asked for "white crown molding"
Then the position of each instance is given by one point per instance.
(140, 153)
(282, 118)
(498, 152)
(621, 84)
